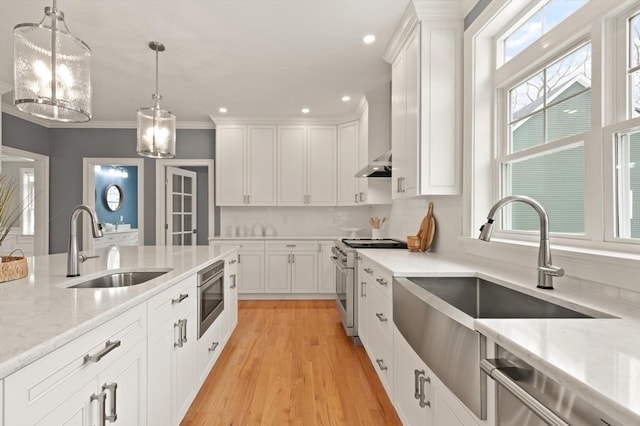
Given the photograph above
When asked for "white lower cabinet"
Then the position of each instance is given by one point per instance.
(291, 267)
(326, 268)
(172, 340)
(102, 373)
(231, 294)
(209, 348)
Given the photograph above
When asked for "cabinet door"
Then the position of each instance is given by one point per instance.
(363, 289)
(277, 272)
(412, 135)
(161, 363)
(363, 155)
(304, 272)
(72, 410)
(398, 123)
(408, 368)
(443, 414)
(231, 295)
(230, 165)
(347, 163)
(326, 269)
(291, 165)
(125, 385)
(251, 272)
(321, 166)
(261, 165)
(185, 358)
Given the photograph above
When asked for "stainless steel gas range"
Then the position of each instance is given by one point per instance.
(345, 260)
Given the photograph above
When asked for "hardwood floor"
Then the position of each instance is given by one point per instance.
(290, 362)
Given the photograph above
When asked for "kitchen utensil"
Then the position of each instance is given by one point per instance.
(427, 229)
(242, 231)
(413, 243)
(270, 231)
(258, 231)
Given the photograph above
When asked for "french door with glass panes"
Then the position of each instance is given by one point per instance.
(181, 207)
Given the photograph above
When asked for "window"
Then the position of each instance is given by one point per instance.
(544, 19)
(540, 159)
(633, 67)
(627, 183)
(27, 184)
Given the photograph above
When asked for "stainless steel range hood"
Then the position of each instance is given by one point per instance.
(378, 168)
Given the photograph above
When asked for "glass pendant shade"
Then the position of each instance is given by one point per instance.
(156, 126)
(156, 133)
(52, 70)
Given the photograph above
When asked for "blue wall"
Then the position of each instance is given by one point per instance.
(129, 186)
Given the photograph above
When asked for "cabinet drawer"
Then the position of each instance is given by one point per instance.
(383, 361)
(293, 245)
(164, 306)
(244, 245)
(382, 315)
(378, 276)
(210, 346)
(37, 388)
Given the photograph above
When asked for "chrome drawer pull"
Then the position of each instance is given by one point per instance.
(233, 281)
(108, 347)
(417, 375)
(291, 245)
(381, 364)
(101, 398)
(368, 270)
(363, 292)
(184, 330)
(232, 261)
(423, 399)
(213, 347)
(381, 281)
(113, 406)
(381, 317)
(179, 299)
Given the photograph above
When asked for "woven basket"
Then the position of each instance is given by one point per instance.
(13, 268)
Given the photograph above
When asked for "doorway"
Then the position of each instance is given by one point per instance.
(104, 178)
(31, 171)
(203, 207)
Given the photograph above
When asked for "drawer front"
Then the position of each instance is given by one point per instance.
(382, 279)
(292, 245)
(244, 245)
(382, 315)
(383, 361)
(38, 387)
(209, 347)
(168, 304)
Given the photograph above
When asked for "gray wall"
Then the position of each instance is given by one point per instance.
(475, 12)
(67, 147)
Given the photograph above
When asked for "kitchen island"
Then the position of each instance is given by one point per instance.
(54, 339)
(597, 358)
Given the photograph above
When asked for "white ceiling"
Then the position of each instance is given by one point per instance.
(255, 57)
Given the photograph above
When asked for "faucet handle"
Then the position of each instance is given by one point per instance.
(554, 271)
(83, 257)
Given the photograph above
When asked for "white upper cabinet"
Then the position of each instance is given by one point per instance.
(348, 163)
(246, 165)
(426, 102)
(306, 165)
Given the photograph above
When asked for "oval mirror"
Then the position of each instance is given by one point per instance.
(113, 197)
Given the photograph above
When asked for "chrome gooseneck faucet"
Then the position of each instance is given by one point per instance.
(546, 271)
(73, 258)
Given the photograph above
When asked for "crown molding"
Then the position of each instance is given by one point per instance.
(5, 87)
(286, 120)
(422, 11)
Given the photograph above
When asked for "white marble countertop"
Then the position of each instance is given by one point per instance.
(39, 314)
(277, 237)
(598, 358)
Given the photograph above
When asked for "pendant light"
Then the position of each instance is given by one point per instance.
(52, 70)
(156, 126)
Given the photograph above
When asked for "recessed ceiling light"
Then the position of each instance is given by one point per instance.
(306, 110)
(369, 38)
(223, 110)
(346, 98)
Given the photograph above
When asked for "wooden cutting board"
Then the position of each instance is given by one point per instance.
(427, 229)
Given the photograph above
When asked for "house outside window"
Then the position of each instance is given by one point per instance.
(28, 190)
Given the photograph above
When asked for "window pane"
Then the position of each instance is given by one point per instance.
(528, 132)
(526, 97)
(177, 223)
(177, 183)
(569, 75)
(522, 38)
(628, 184)
(177, 240)
(569, 117)
(556, 180)
(634, 81)
(634, 41)
(554, 12)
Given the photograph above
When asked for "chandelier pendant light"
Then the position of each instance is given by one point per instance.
(156, 126)
(51, 70)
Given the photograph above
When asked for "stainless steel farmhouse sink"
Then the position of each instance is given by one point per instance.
(121, 279)
(435, 316)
